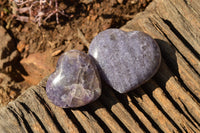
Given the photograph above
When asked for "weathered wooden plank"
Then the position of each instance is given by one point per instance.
(176, 91)
(104, 115)
(186, 25)
(148, 126)
(36, 115)
(87, 121)
(167, 103)
(174, 40)
(194, 6)
(151, 109)
(118, 109)
(147, 22)
(179, 119)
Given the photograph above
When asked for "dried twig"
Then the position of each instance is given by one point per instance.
(37, 11)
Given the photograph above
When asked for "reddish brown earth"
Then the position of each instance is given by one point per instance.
(31, 52)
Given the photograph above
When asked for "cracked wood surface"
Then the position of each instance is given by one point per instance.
(169, 102)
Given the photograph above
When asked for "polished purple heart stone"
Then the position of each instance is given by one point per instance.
(125, 59)
(75, 81)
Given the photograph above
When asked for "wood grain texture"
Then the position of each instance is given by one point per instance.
(169, 102)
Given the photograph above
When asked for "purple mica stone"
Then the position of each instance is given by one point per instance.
(125, 60)
(75, 81)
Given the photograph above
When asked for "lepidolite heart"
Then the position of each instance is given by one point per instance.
(75, 82)
(125, 59)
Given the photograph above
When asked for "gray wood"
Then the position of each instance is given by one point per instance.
(169, 102)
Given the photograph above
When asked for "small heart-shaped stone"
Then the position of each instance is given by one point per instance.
(125, 59)
(75, 81)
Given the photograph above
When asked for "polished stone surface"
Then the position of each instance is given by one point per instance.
(125, 59)
(75, 82)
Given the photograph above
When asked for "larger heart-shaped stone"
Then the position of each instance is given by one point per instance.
(125, 59)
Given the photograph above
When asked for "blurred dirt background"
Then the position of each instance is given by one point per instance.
(28, 52)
